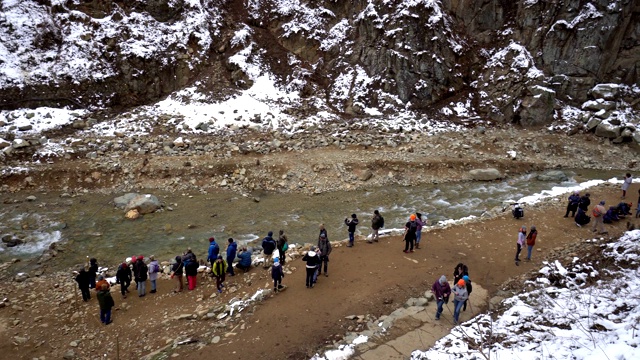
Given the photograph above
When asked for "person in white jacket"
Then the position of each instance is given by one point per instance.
(522, 236)
(460, 295)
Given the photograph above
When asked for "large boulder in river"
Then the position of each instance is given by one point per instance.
(122, 201)
(485, 174)
(145, 204)
(553, 175)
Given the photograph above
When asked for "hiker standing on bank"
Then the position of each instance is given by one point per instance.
(585, 201)
(377, 222)
(154, 269)
(219, 270)
(283, 246)
(83, 283)
(123, 277)
(176, 272)
(312, 260)
(420, 224)
(106, 303)
(93, 270)
(460, 295)
(626, 182)
(572, 206)
(351, 224)
(324, 247)
(522, 235)
(268, 246)
(598, 221)
(232, 250)
(441, 292)
(191, 271)
(213, 252)
(140, 273)
(277, 274)
(410, 233)
(531, 241)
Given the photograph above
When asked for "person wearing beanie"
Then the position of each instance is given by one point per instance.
(531, 241)
(154, 269)
(351, 225)
(177, 269)
(598, 214)
(268, 246)
(572, 205)
(467, 281)
(277, 275)
(283, 246)
(106, 303)
(460, 295)
(377, 222)
(101, 281)
(214, 250)
(324, 248)
(410, 229)
(219, 270)
(522, 235)
(441, 292)
(123, 277)
(232, 250)
(312, 260)
(140, 273)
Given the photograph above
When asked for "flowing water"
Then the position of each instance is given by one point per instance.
(89, 225)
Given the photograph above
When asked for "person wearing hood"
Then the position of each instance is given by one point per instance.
(459, 271)
(582, 218)
(106, 303)
(467, 281)
(82, 278)
(410, 229)
(277, 275)
(214, 250)
(191, 271)
(93, 271)
(531, 242)
(219, 270)
(268, 246)
(351, 225)
(101, 281)
(312, 260)
(140, 273)
(123, 277)
(460, 295)
(177, 269)
(572, 205)
(598, 215)
(522, 235)
(441, 291)
(245, 260)
(232, 250)
(154, 269)
(324, 248)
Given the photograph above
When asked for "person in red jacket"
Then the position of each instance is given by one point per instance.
(531, 241)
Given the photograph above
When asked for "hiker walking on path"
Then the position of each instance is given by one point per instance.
(312, 260)
(283, 246)
(123, 277)
(598, 221)
(531, 241)
(522, 235)
(324, 247)
(277, 274)
(213, 252)
(176, 272)
(441, 292)
(140, 274)
(351, 224)
(83, 283)
(410, 233)
(377, 222)
(268, 246)
(626, 182)
(459, 271)
(232, 250)
(106, 303)
(219, 270)
(460, 295)
(154, 270)
(572, 205)
(467, 281)
(420, 224)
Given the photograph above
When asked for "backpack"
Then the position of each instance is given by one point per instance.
(285, 247)
(154, 268)
(381, 221)
(596, 212)
(413, 226)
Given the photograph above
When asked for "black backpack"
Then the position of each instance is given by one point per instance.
(381, 221)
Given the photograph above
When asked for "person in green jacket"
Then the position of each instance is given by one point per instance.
(219, 269)
(106, 303)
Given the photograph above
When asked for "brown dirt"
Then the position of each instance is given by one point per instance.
(370, 279)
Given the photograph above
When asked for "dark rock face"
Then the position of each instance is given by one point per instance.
(513, 60)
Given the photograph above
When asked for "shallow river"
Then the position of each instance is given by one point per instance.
(90, 226)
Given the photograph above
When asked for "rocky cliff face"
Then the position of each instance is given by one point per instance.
(528, 62)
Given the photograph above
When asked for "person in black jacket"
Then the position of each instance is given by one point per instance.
(585, 202)
(351, 224)
(123, 277)
(93, 270)
(459, 272)
(176, 272)
(140, 274)
(83, 284)
(268, 246)
(106, 304)
(313, 261)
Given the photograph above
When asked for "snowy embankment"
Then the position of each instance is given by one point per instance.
(576, 312)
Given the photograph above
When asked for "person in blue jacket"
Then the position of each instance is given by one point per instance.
(245, 259)
(232, 249)
(214, 250)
